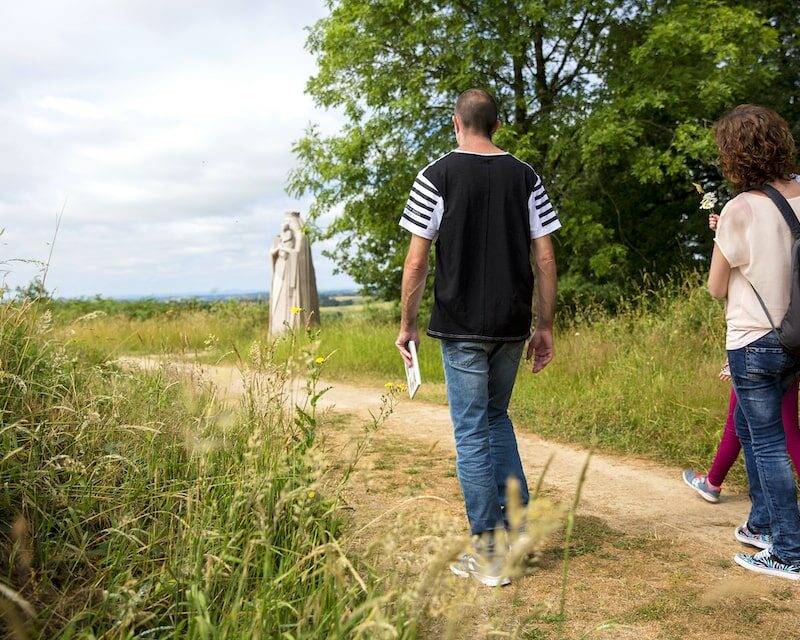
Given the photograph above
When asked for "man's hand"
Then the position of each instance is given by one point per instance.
(540, 348)
(403, 338)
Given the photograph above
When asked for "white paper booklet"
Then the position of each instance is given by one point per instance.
(413, 377)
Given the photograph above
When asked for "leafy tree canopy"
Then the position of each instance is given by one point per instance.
(610, 101)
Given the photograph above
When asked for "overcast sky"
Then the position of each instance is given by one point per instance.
(166, 127)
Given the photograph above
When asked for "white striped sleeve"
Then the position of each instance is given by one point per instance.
(543, 217)
(423, 211)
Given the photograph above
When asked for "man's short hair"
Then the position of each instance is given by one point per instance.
(477, 110)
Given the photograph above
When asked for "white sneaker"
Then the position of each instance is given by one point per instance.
(768, 564)
(468, 566)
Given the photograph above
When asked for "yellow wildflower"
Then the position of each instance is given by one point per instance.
(312, 494)
(388, 385)
(296, 310)
(319, 360)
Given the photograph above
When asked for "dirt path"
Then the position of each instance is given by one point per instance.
(651, 559)
(640, 496)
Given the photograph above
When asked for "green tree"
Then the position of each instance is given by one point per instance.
(649, 136)
(34, 290)
(610, 101)
(783, 93)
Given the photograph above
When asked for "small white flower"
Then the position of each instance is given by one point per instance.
(709, 200)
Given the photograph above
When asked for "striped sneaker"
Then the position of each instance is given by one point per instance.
(768, 564)
(467, 566)
(699, 482)
(760, 540)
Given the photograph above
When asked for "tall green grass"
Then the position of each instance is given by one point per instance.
(644, 381)
(138, 505)
(102, 329)
(135, 507)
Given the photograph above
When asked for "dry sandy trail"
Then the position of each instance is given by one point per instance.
(665, 549)
(632, 494)
(635, 495)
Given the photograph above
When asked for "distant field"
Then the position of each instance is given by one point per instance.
(353, 304)
(350, 299)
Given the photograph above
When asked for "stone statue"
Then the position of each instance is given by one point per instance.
(293, 299)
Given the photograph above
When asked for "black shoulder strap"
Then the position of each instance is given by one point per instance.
(784, 207)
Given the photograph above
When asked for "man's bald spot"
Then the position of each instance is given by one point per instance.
(477, 111)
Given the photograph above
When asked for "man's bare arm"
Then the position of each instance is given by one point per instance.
(541, 344)
(415, 271)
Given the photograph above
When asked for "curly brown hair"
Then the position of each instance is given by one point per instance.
(755, 146)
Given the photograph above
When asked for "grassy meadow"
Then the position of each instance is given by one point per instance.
(642, 381)
(138, 504)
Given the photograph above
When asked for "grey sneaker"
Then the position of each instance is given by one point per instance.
(768, 564)
(760, 540)
(468, 566)
(699, 482)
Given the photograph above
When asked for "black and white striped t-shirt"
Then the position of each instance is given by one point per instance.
(482, 210)
(424, 207)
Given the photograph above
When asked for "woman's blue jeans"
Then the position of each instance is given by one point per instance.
(761, 373)
(480, 377)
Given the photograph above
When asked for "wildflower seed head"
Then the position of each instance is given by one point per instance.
(94, 315)
(45, 321)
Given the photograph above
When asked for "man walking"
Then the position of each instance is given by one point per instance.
(486, 211)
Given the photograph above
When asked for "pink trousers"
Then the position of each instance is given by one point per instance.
(729, 446)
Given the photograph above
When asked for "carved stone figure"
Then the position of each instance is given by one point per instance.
(293, 299)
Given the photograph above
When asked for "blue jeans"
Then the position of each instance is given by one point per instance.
(480, 377)
(761, 373)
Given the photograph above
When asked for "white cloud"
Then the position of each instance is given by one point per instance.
(167, 127)
(70, 107)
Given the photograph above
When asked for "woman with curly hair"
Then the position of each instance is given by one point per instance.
(752, 252)
(709, 486)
